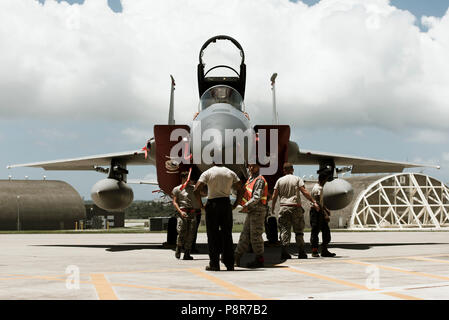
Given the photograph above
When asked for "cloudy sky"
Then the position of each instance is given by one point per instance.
(366, 78)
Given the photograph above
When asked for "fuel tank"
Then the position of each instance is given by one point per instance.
(337, 194)
(111, 194)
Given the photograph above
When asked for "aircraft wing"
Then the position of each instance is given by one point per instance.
(358, 164)
(136, 157)
(142, 181)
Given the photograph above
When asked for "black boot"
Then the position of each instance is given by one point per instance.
(187, 255)
(237, 258)
(326, 253)
(194, 250)
(212, 268)
(178, 252)
(257, 263)
(284, 253)
(302, 254)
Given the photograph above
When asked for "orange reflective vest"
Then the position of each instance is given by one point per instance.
(249, 186)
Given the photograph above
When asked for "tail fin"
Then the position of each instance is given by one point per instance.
(273, 88)
(171, 111)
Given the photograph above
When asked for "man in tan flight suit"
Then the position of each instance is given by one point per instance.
(291, 213)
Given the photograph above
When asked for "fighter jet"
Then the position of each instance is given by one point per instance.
(175, 148)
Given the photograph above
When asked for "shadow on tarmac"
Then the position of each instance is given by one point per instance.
(271, 254)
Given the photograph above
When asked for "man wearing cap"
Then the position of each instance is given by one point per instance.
(219, 180)
(187, 206)
(254, 203)
(319, 219)
(291, 213)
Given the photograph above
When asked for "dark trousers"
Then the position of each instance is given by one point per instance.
(318, 224)
(198, 220)
(219, 231)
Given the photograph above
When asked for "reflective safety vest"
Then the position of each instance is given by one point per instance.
(249, 186)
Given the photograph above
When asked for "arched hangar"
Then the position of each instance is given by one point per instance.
(39, 205)
(400, 201)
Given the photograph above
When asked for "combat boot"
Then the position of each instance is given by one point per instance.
(302, 254)
(257, 263)
(284, 253)
(212, 268)
(187, 255)
(194, 250)
(315, 253)
(326, 253)
(237, 258)
(178, 252)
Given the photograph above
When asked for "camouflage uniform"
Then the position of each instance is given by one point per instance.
(186, 226)
(253, 227)
(288, 217)
(291, 214)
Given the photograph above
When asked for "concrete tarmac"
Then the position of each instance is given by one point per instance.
(369, 265)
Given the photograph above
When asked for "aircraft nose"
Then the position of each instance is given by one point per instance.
(220, 133)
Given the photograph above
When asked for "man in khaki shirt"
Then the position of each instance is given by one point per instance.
(291, 213)
(219, 181)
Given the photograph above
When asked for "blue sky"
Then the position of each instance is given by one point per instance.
(109, 102)
(435, 8)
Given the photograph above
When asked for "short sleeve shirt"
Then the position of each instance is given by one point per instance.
(316, 193)
(288, 189)
(219, 181)
(186, 198)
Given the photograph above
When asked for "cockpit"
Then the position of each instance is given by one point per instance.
(221, 94)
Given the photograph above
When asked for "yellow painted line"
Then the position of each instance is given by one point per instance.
(350, 284)
(57, 277)
(241, 293)
(21, 277)
(438, 255)
(401, 296)
(428, 259)
(414, 273)
(335, 280)
(147, 271)
(174, 290)
(337, 260)
(103, 287)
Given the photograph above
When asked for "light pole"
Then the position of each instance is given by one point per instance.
(18, 214)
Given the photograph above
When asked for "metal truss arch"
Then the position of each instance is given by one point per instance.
(402, 201)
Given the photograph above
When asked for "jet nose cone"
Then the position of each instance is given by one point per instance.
(224, 136)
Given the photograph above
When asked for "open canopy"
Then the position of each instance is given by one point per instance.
(221, 94)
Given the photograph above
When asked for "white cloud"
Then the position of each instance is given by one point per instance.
(137, 135)
(429, 136)
(345, 62)
(56, 134)
(445, 156)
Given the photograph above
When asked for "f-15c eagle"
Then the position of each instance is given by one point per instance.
(221, 110)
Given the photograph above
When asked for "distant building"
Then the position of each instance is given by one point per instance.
(97, 218)
(39, 205)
